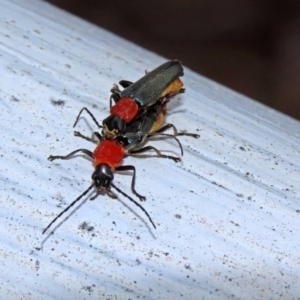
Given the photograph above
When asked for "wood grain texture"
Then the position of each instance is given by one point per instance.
(227, 216)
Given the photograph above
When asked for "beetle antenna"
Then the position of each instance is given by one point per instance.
(91, 115)
(136, 203)
(68, 207)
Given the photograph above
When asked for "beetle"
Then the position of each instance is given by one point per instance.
(107, 156)
(161, 83)
(109, 153)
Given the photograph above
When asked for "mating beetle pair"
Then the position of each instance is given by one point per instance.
(137, 115)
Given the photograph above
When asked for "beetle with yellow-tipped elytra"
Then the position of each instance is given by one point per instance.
(161, 83)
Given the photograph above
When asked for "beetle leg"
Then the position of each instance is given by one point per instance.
(115, 95)
(97, 134)
(131, 168)
(85, 151)
(176, 133)
(158, 153)
(125, 83)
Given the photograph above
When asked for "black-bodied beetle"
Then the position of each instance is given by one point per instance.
(161, 83)
(109, 153)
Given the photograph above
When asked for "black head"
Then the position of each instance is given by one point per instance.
(103, 176)
(113, 126)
